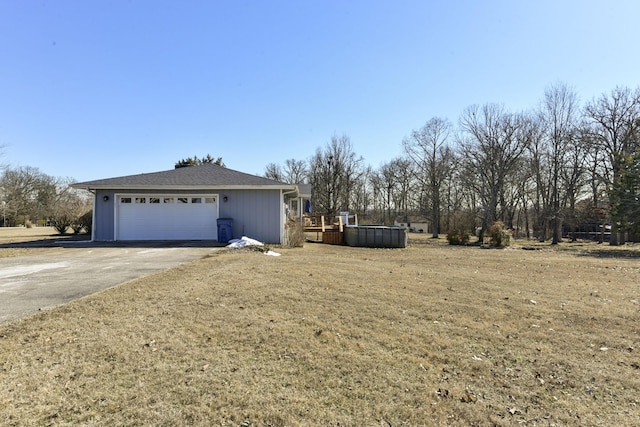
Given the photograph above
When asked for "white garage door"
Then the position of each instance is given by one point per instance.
(162, 217)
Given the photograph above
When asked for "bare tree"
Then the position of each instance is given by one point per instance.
(333, 173)
(362, 195)
(295, 171)
(26, 193)
(538, 158)
(496, 141)
(456, 197)
(387, 180)
(274, 171)
(69, 207)
(392, 181)
(405, 183)
(428, 150)
(616, 127)
(559, 115)
(377, 196)
(31, 195)
(574, 178)
(595, 164)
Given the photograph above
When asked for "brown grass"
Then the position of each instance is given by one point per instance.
(24, 234)
(328, 335)
(18, 235)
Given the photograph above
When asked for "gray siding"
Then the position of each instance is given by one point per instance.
(104, 216)
(255, 213)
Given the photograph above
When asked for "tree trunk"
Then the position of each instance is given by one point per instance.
(435, 212)
(617, 238)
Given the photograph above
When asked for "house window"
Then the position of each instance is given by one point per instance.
(169, 200)
(196, 200)
(154, 200)
(141, 200)
(294, 205)
(210, 200)
(183, 200)
(125, 199)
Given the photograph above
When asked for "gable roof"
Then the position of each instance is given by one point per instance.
(205, 176)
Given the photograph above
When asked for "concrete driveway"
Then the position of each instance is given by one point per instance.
(58, 275)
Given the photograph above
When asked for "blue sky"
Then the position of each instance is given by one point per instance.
(96, 89)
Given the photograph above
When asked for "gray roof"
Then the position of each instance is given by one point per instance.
(191, 177)
(305, 190)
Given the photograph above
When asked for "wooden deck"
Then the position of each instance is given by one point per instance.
(323, 223)
(331, 228)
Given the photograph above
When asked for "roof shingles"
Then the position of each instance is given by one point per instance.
(191, 176)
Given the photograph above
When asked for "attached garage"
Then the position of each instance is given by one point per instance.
(186, 203)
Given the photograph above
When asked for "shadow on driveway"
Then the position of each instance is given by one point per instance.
(82, 242)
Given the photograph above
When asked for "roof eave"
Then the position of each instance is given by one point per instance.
(89, 186)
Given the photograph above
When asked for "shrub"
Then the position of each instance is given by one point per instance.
(458, 237)
(61, 222)
(83, 222)
(295, 234)
(499, 236)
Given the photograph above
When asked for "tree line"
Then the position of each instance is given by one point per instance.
(31, 197)
(558, 167)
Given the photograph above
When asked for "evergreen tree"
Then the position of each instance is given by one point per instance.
(194, 161)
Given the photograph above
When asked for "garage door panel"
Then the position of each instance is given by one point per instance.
(167, 218)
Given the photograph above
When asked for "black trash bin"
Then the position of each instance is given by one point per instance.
(225, 229)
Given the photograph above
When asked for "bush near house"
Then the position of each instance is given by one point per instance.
(294, 234)
(83, 222)
(65, 220)
(61, 222)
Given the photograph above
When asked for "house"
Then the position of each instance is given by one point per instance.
(186, 203)
(414, 225)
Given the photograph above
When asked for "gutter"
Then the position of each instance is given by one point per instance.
(292, 191)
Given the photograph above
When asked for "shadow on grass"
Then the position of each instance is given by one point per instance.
(53, 240)
(611, 253)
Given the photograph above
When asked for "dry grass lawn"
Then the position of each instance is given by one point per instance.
(11, 239)
(24, 234)
(339, 336)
